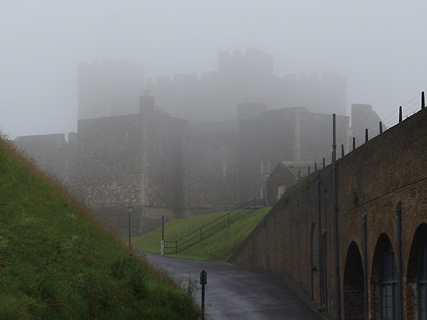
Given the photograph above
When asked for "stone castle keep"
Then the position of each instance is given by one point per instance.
(193, 144)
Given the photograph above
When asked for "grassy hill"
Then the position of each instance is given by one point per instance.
(57, 263)
(217, 244)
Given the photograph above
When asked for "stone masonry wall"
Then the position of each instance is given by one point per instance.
(211, 162)
(291, 134)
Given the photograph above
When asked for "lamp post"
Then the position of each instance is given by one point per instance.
(129, 212)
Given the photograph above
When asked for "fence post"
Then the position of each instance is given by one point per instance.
(423, 100)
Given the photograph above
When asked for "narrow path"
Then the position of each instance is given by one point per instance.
(237, 293)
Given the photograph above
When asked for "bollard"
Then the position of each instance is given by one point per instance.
(203, 282)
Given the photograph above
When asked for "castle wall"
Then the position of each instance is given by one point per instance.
(246, 76)
(134, 159)
(263, 142)
(370, 180)
(111, 161)
(291, 134)
(51, 152)
(168, 166)
(211, 162)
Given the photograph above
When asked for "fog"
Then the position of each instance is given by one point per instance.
(380, 46)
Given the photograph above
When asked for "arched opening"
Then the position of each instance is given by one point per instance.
(353, 284)
(384, 284)
(416, 277)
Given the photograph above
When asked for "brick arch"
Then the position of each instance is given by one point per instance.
(381, 246)
(410, 287)
(353, 284)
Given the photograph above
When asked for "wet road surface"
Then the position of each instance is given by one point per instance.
(237, 293)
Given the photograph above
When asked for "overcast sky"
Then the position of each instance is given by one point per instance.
(380, 46)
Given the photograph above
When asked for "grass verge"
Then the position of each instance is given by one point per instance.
(217, 245)
(58, 263)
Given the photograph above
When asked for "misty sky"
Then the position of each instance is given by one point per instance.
(380, 46)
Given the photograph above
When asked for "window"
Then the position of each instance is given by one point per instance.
(263, 193)
(280, 191)
(388, 293)
(265, 166)
(422, 284)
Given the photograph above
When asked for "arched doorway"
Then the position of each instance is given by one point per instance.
(353, 284)
(384, 284)
(416, 278)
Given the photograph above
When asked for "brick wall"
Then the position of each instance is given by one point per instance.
(370, 179)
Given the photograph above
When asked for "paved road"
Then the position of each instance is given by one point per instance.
(236, 293)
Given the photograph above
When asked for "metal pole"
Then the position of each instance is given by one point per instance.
(400, 114)
(163, 227)
(203, 282)
(334, 175)
(423, 100)
(129, 208)
(203, 300)
(130, 246)
(399, 257)
(162, 245)
(365, 266)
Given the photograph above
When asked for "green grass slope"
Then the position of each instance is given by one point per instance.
(216, 245)
(57, 263)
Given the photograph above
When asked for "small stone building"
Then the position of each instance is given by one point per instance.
(283, 176)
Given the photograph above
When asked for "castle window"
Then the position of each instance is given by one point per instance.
(265, 166)
(388, 293)
(422, 284)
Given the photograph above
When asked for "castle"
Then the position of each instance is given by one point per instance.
(193, 145)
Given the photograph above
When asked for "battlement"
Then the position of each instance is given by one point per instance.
(252, 61)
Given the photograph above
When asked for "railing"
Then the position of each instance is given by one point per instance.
(207, 230)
